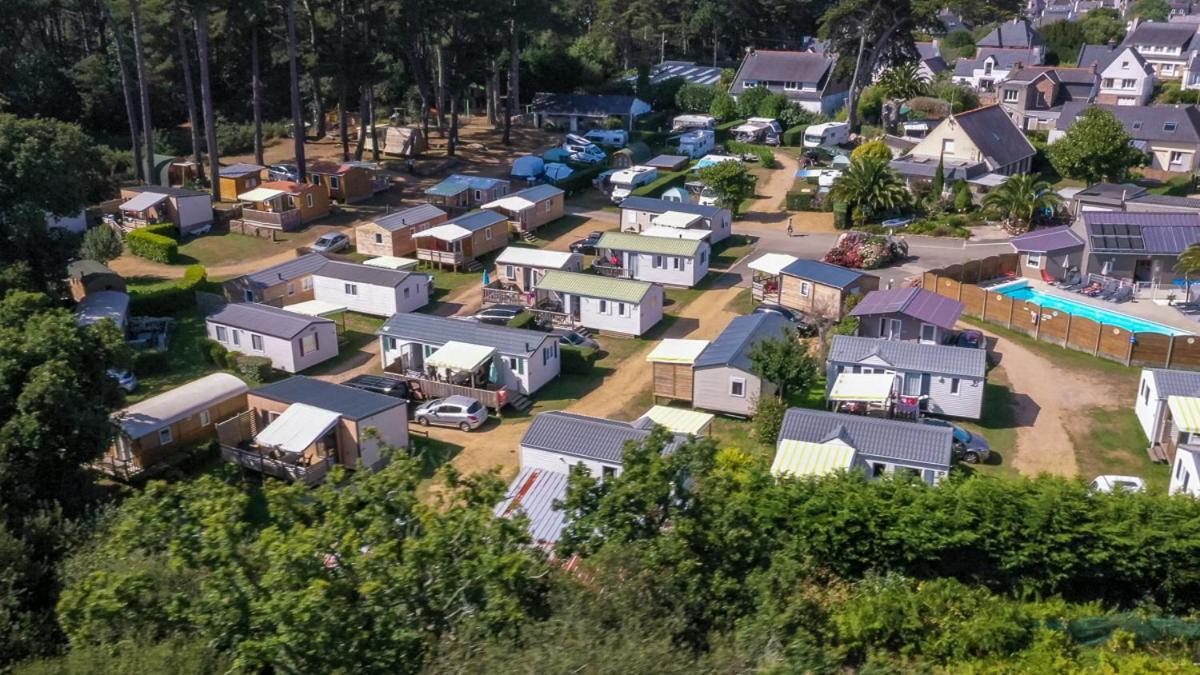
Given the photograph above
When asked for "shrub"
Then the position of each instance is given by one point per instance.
(841, 215)
(166, 300)
(613, 123)
(577, 360)
(231, 359)
(217, 354)
(768, 416)
(101, 244)
(723, 107)
(722, 130)
(152, 246)
(794, 136)
(660, 185)
(522, 320)
(150, 362)
(165, 229)
(207, 347)
(695, 98)
(254, 369)
(751, 100)
(800, 200)
(581, 179)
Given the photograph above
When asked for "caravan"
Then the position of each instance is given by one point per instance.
(758, 130)
(827, 135)
(617, 138)
(626, 181)
(697, 143)
(582, 150)
(683, 123)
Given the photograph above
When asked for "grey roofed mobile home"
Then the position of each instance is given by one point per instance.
(722, 377)
(265, 319)
(583, 437)
(917, 303)
(732, 347)
(421, 213)
(537, 493)
(363, 274)
(821, 272)
(287, 271)
(896, 442)
(1176, 382)
(432, 329)
(655, 205)
(349, 402)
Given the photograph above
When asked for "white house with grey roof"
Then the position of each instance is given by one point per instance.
(1169, 134)
(619, 306)
(676, 261)
(951, 379)
(1166, 46)
(973, 145)
(1164, 408)
(991, 66)
(806, 78)
(371, 290)
(639, 214)
(294, 342)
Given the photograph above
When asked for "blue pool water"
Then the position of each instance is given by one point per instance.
(1022, 291)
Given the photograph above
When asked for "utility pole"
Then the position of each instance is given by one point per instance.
(662, 49)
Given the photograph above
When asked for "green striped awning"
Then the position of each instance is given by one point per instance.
(1186, 412)
(870, 387)
(798, 458)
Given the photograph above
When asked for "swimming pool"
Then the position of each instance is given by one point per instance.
(1022, 291)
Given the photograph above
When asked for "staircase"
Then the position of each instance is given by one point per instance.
(519, 402)
(474, 266)
(528, 237)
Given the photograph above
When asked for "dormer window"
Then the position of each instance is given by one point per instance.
(1169, 127)
(1011, 95)
(987, 67)
(1137, 125)
(1124, 65)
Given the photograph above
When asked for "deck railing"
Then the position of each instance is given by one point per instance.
(284, 220)
(559, 319)
(761, 292)
(503, 296)
(256, 461)
(432, 255)
(614, 271)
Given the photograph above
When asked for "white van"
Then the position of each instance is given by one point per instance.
(617, 138)
(697, 143)
(689, 122)
(582, 150)
(624, 182)
(827, 135)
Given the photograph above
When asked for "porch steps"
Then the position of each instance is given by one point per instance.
(1158, 454)
(474, 266)
(519, 402)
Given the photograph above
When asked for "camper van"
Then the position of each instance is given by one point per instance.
(827, 135)
(683, 123)
(701, 193)
(617, 138)
(624, 182)
(758, 130)
(697, 143)
(582, 150)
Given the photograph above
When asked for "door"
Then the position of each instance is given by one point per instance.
(526, 278)
(411, 357)
(631, 264)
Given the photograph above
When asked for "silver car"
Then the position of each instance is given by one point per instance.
(463, 412)
(330, 243)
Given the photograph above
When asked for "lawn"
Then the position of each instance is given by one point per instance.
(356, 332)
(1112, 442)
(184, 354)
(731, 250)
(561, 227)
(221, 247)
(1119, 375)
(743, 302)
(1176, 187)
(998, 426)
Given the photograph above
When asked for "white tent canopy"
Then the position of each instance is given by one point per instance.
(260, 194)
(144, 201)
(297, 428)
(315, 308)
(509, 203)
(392, 262)
(674, 233)
(772, 263)
(677, 219)
(869, 387)
(460, 356)
(798, 458)
(444, 233)
(535, 257)
(677, 351)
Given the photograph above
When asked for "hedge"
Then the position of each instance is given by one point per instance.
(577, 360)
(152, 246)
(231, 359)
(800, 200)
(841, 215)
(167, 300)
(581, 179)
(722, 130)
(165, 229)
(794, 137)
(150, 362)
(661, 184)
(217, 354)
(254, 369)
(522, 320)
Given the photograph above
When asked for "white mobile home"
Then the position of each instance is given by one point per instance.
(523, 268)
(1167, 401)
(293, 342)
(674, 262)
(723, 377)
(641, 213)
(371, 290)
(621, 306)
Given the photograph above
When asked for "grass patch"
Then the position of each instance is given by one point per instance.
(359, 332)
(743, 302)
(732, 249)
(998, 425)
(1112, 442)
(432, 453)
(184, 355)
(1118, 374)
(222, 247)
(559, 228)
(1180, 186)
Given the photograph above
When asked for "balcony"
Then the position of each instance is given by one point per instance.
(613, 271)
(256, 459)
(423, 387)
(496, 295)
(284, 220)
(766, 291)
(441, 257)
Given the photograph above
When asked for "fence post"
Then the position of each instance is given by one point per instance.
(960, 285)
(1011, 306)
(1099, 335)
(1037, 324)
(1129, 352)
(983, 310)
(1067, 339)
(1170, 351)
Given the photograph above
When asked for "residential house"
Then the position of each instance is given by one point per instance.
(638, 214)
(298, 428)
(459, 192)
(951, 379)
(816, 442)
(1170, 134)
(806, 78)
(1125, 197)
(907, 314)
(1136, 246)
(1049, 251)
(522, 268)
(371, 290)
(284, 284)
(88, 276)
(293, 342)
(580, 112)
(348, 182)
(620, 306)
(673, 262)
(931, 62)
(1166, 46)
(284, 205)
(188, 210)
(239, 178)
(1015, 34)
(1033, 97)
(459, 242)
(149, 431)
(992, 65)
(1125, 77)
(392, 234)
(971, 145)
(1167, 407)
(522, 361)
(819, 289)
(531, 208)
(723, 376)
(102, 305)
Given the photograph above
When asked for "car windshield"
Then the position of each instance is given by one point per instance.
(324, 240)
(962, 435)
(475, 407)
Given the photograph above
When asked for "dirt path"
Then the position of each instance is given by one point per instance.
(768, 208)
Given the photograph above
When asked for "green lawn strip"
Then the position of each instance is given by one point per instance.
(998, 425)
(731, 250)
(743, 302)
(222, 247)
(359, 330)
(560, 228)
(184, 356)
(1176, 187)
(1116, 373)
(1111, 442)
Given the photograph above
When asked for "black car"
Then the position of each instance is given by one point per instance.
(587, 245)
(499, 314)
(800, 322)
(379, 384)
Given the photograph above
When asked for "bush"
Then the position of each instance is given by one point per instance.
(751, 100)
(722, 130)
(578, 360)
(841, 215)
(167, 300)
(695, 98)
(613, 123)
(723, 107)
(165, 229)
(150, 362)
(768, 416)
(152, 246)
(101, 244)
(217, 354)
(661, 184)
(800, 200)
(231, 359)
(795, 116)
(523, 320)
(208, 347)
(254, 369)
(794, 136)
(234, 138)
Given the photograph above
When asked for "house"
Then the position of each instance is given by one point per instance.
(1125, 77)
(1014, 34)
(816, 443)
(580, 112)
(293, 342)
(991, 66)
(662, 260)
(1170, 134)
(950, 378)
(101, 305)
(298, 428)
(1126, 197)
(284, 205)
(348, 182)
(806, 78)
(1166, 409)
(88, 276)
(371, 290)
(907, 314)
(1166, 46)
(523, 268)
(971, 145)
(459, 192)
(239, 178)
(531, 208)
(460, 241)
(722, 374)
(641, 213)
(1053, 251)
(188, 210)
(391, 234)
(1033, 97)
(520, 361)
(819, 289)
(1136, 246)
(931, 63)
(150, 430)
(612, 306)
(283, 284)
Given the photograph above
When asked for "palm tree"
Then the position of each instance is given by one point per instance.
(903, 82)
(1019, 199)
(870, 185)
(1187, 265)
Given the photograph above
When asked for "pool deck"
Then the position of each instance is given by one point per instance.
(1140, 308)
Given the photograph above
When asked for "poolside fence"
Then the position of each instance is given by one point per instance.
(1055, 326)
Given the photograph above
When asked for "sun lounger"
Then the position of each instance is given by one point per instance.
(1071, 281)
(1123, 294)
(1092, 288)
(1109, 293)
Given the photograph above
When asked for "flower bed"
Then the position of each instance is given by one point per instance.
(861, 250)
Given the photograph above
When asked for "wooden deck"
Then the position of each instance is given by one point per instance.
(284, 220)
(254, 460)
(760, 293)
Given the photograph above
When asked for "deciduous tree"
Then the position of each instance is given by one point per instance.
(731, 182)
(784, 362)
(1095, 148)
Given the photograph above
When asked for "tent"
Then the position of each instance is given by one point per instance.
(556, 155)
(679, 420)
(143, 201)
(528, 167)
(867, 387)
(557, 172)
(1185, 410)
(297, 428)
(677, 351)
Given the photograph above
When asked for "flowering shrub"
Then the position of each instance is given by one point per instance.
(859, 250)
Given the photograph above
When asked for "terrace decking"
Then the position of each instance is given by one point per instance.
(236, 440)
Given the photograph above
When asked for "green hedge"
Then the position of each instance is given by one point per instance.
(254, 369)
(841, 215)
(167, 300)
(152, 246)
(522, 320)
(581, 179)
(165, 229)
(722, 130)
(661, 184)
(150, 362)
(800, 200)
(578, 360)
(794, 137)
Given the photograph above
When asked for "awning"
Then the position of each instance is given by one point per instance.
(1186, 412)
(798, 458)
(675, 233)
(988, 180)
(460, 356)
(677, 219)
(772, 263)
(677, 351)
(392, 262)
(444, 233)
(261, 194)
(297, 428)
(679, 420)
(144, 201)
(315, 308)
(509, 203)
(870, 387)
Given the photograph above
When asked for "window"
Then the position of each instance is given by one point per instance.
(1178, 466)
(1106, 83)
(222, 334)
(622, 309)
(703, 257)
(749, 84)
(249, 296)
(237, 337)
(479, 195)
(335, 183)
(204, 418)
(426, 350)
(545, 356)
(737, 387)
(1137, 124)
(948, 146)
(378, 238)
(554, 349)
(511, 362)
(309, 344)
(510, 272)
(878, 469)
(1128, 84)
(676, 263)
(256, 342)
(1011, 95)
(1187, 478)
(406, 293)
(791, 86)
(1124, 65)
(520, 366)
(659, 263)
(351, 289)
(1145, 394)
(1169, 127)
(164, 435)
(487, 234)
(604, 307)
(306, 283)
(1033, 260)
(251, 182)
(1176, 157)
(308, 200)
(954, 386)
(391, 343)
(608, 471)
(928, 332)
(315, 179)
(805, 289)
(987, 67)
(291, 288)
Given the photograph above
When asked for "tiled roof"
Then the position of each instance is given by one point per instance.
(1162, 34)
(349, 402)
(288, 271)
(1176, 382)
(595, 286)
(593, 438)
(625, 241)
(732, 347)
(1047, 240)
(915, 302)
(823, 273)
(874, 437)
(264, 319)
(438, 330)
(911, 356)
(413, 215)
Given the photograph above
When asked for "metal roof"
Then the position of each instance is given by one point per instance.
(1047, 240)
(1168, 201)
(1175, 382)
(176, 404)
(873, 437)
(287, 271)
(910, 356)
(537, 257)
(1141, 232)
(915, 302)
(626, 241)
(102, 305)
(823, 273)
(582, 104)
(732, 347)
(363, 274)
(674, 350)
(652, 205)
(351, 403)
(264, 319)
(447, 188)
(235, 170)
(593, 438)
(85, 268)
(690, 72)
(538, 193)
(413, 215)
(477, 220)
(679, 420)
(143, 201)
(167, 190)
(595, 286)
(438, 330)
(536, 494)
(772, 263)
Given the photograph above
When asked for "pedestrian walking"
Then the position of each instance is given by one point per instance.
(789, 226)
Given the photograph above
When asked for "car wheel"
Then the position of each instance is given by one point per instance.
(423, 421)
(464, 426)
(971, 458)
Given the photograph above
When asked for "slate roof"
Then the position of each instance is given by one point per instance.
(915, 302)
(732, 347)
(591, 438)
(439, 330)
(1141, 232)
(265, 319)
(1162, 34)
(363, 274)
(1005, 59)
(823, 273)
(421, 213)
(235, 170)
(872, 437)
(1104, 55)
(582, 104)
(349, 402)
(764, 65)
(477, 220)
(1112, 193)
(1047, 240)
(1176, 382)
(1169, 201)
(1015, 34)
(595, 286)
(534, 493)
(1143, 123)
(625, 241)
(911, 356)
(85, 268)
(167, 190)
(993, 132)
(652, 205)
(287, 271)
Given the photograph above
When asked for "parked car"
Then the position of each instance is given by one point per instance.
(463, 412)
(968, 447)
(587, 245)
(284, 172)
(389, 386)
(328, 243)
(499, 314)
(800, 322)
(572, 339)
(1110, 484)
(125, 379)
(969, 338)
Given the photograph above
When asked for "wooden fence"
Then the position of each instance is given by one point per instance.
(1056, 326)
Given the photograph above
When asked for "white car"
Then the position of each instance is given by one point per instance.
(330, 243)
(1110, 484)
